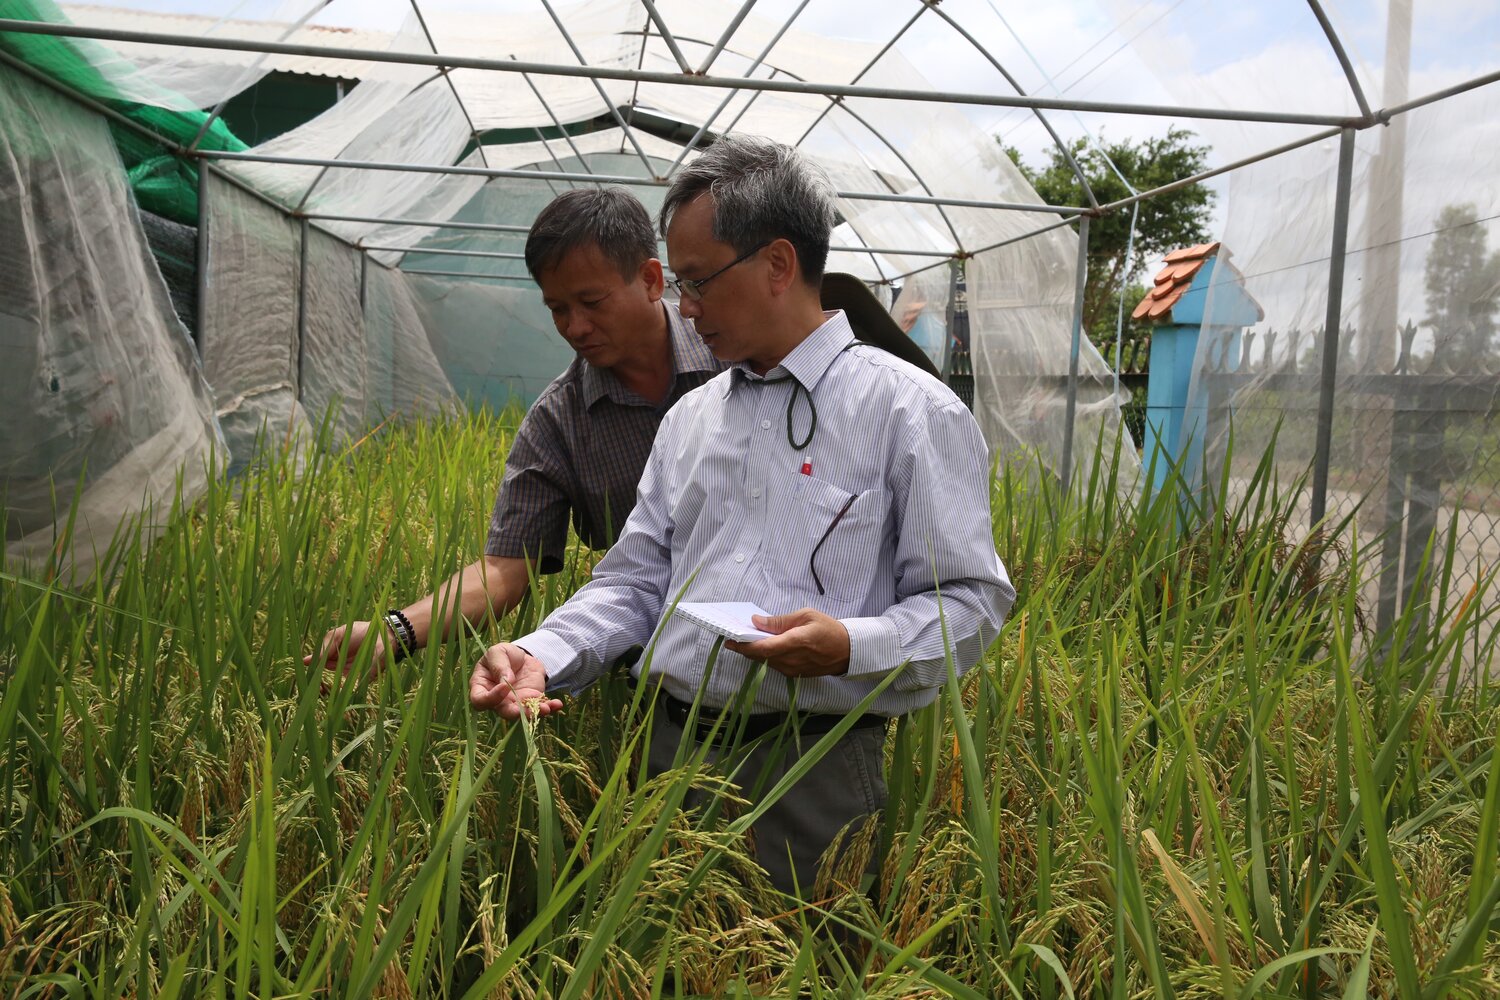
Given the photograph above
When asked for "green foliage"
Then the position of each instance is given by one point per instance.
(1185, 769)
(1164, 223)
(1463, 290)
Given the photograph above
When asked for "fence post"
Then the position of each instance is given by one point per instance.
(1331, 323)
(1072, 410)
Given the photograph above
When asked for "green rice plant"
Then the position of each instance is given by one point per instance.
(1188, 767)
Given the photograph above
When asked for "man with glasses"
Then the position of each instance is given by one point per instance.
(582, 446)
(838, 487)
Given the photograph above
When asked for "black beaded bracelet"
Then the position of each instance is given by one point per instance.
(406, 636)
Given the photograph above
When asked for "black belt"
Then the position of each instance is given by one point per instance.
(758, 724)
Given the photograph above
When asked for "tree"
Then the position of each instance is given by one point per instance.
(1165, 223)
(1463, 290)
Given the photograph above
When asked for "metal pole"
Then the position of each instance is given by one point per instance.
(422, 21)
(585, 69)
(364, 329)
(952, 230)
(267, 200)
(1331, 326)
(555, 124)
(510, 255)
(666, 36)
(200, 301)
(1071, 414)
(945, 352)
(548, 175)
(470, 274)
(874, 262)
(500, 228)
(1216, 171)
(993, 246)
(307, 195)
(301, 309)
(892, 252)
(708, 123)
(1387, 435)
(242, 81)
(867, 67)
(1343, 57)
(675, 79)
(444, 252)
(1009, 206)
(485, 227)
(431, 168)
(734, 25)
(1062, 147)
(1386, 114)
(89, 102)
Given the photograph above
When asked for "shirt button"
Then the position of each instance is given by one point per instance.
(739, 557)
(765, 425)
(755, 493)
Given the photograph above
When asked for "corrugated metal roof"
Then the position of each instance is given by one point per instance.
(121, 18)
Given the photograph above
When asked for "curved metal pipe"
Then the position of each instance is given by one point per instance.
(1062, 147)
(1343, 57)
(666, 36)
(958, 242)
(218, 110)
(734, 25)
(302, 202)
(583, 65)
(861, 74)
(703, 129)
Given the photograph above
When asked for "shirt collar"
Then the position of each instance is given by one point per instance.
(810, 360)
(688, 355)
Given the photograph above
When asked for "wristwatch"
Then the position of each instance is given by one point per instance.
(405, 635)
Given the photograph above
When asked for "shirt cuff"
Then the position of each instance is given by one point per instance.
(558, 658)
(874, 646)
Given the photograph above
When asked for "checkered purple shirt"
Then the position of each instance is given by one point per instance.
(581, 448)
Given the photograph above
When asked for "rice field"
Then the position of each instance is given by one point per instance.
(1186, 769)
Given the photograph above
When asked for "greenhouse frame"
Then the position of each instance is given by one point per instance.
(361, 264)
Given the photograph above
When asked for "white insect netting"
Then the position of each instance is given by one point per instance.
(99, 384)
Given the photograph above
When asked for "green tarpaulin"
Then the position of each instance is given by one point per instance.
(163, 183)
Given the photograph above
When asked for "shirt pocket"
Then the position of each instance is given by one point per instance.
(819, 533)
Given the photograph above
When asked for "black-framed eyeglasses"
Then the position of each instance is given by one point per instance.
(836, 519)
(689, 288)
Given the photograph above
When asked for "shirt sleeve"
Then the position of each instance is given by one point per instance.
(530, 519)
(947, 570)
(622, 603)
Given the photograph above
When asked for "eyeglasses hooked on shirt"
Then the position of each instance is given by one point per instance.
(690, 288)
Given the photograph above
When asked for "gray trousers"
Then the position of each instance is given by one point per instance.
(847, 784)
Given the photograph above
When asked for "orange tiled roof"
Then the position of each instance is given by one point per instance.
(1173, 280)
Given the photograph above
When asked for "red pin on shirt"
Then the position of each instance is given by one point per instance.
(807, 468)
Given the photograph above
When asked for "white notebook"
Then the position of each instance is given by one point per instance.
(730, 619)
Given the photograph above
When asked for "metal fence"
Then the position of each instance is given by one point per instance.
(1413, 458)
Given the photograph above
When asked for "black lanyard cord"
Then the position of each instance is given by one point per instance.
(812, 409)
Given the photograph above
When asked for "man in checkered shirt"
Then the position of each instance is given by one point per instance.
(583, 444)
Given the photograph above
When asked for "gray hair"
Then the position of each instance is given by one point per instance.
(611, 219)
(762, 191)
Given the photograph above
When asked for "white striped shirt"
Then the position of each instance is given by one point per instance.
(725, 512)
